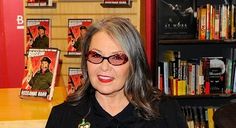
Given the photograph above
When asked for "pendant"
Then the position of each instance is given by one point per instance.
(84, 124)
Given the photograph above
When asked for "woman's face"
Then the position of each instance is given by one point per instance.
(106, 78)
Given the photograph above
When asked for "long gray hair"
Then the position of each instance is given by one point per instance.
(138, 87)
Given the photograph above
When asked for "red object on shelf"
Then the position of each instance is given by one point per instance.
(207, 87)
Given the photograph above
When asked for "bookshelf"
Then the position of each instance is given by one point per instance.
(182, 38)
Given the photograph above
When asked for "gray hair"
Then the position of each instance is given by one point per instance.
(138, 88)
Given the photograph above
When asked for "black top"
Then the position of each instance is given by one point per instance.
(67, 116)
(225, 116)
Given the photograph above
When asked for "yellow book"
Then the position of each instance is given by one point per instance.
(174, 87)
(210, 112)
(203, 22)
(181, 87)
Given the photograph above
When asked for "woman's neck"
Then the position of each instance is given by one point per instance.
(112, 104)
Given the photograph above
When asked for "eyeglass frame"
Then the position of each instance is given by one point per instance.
(122, 55)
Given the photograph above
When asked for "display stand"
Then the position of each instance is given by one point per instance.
(25, 113)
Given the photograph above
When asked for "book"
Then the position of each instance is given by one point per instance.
(40, 73)
(196, 117)
(75, 79)
(210, 113)
(217, 23)
(203, 23)
(214, 69)
(32, 2)
(43, 2)
(38, 33)
(39, 2)
(77, 29)
(178, 21)
(228, 76)
(202, 115)
(189, 115)
(163, 77)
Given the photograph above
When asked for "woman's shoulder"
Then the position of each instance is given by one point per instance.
(72, 106)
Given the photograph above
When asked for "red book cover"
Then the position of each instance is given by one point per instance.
(75, 79)
(214, 69)
(77, 29)
(38, 33)
(32, 2)
(40, 73)
(43, 2)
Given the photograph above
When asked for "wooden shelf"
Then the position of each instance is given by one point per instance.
(205, 96)
(214, 100)
(72, 55)
(196, 42)
(54, 5)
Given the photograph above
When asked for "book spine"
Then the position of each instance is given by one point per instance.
(228, 77)
(224, 22)
(212, 22)
(217, 24)
(234, 76)
(203, 22)
(210, 112)
(208, 23)
(232, 21)
(166, 78)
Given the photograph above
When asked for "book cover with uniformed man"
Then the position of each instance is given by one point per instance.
(40, 73)
(77, 29)
(37, 33)
(75, 79)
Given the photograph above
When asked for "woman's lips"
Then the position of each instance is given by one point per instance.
(105, 79)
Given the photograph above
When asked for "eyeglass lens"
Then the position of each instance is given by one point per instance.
(116, 59)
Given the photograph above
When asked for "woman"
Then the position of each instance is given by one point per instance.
(118, 90)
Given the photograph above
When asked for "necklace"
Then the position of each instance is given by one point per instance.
(85, 124)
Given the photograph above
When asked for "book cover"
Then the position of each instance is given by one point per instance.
(43, 2)
(32, 2)
(75, 79)
(77, 29)
(214, 73)
(178, 21)
(40, 73)
(37, 33)
(39, 2)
